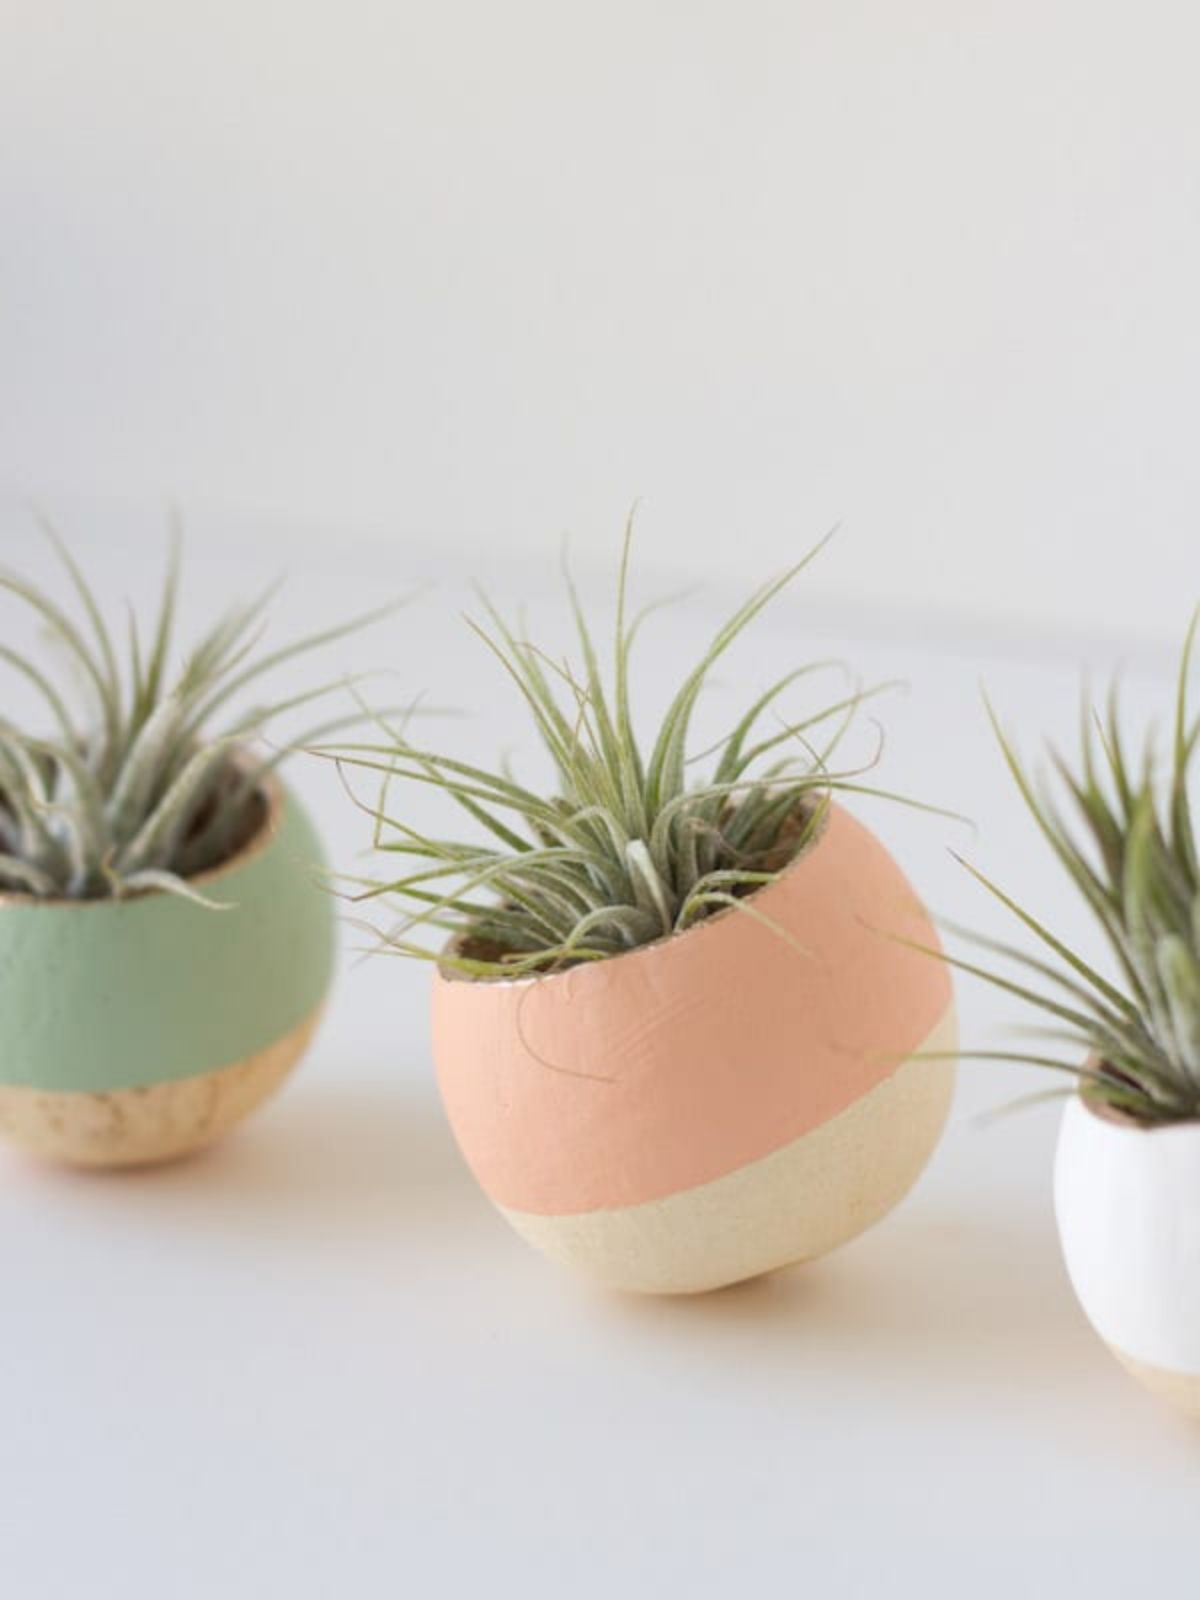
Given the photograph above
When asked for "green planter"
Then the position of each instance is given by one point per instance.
(135, 1030)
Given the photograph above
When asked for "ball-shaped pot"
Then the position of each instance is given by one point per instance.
(136, 1030)
(1127, 1199)
(732, 1099)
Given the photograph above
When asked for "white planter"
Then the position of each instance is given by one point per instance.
(1128, 1207)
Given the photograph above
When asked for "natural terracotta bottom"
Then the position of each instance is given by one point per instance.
(796, 1203)
(1178, 1389)
(136, 1127)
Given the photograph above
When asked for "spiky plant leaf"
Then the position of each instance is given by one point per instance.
(1130, 852)
(134, 794)
(625, 848)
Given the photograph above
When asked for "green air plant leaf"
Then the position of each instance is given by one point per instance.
(132, 794)
(624, 847)
(1130, 850)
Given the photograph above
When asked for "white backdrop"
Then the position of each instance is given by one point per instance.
(478, 272)
(409, 290)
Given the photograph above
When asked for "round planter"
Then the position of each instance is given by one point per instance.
(1127, 1200)
(723, 1102)
(135, 1030)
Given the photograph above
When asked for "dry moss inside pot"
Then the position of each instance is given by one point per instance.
(164, 945)
(673, 1045)
(1127, 1180)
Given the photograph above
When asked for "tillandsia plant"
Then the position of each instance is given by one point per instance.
(136, 793)
(628, 848)
(1134, 1043)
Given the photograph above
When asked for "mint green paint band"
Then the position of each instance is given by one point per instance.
(103, 994)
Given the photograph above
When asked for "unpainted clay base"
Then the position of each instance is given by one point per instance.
(137, 1127)
(796, 1203)
(1179, 1389)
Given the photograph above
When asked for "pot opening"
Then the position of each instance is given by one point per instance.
(256, 825)
(798, 835)
(1094, 1101)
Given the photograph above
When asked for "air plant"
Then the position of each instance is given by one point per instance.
(627, 848)
(1130, 850)
(135, 793)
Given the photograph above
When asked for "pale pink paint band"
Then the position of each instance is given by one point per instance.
(630, 1079)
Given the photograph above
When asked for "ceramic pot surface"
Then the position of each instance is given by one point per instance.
(1127, 1199)
(719, 1103)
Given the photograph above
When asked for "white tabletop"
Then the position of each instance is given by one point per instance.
(314, 1361)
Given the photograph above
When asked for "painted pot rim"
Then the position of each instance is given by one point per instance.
(713, 920)
(270, 790)
(1120, 1121)
(1128, 1212)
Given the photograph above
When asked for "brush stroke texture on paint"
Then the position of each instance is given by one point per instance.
(621, 1082)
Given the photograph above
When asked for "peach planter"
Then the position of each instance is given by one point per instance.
(721, 1103)
(1127, 1200)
